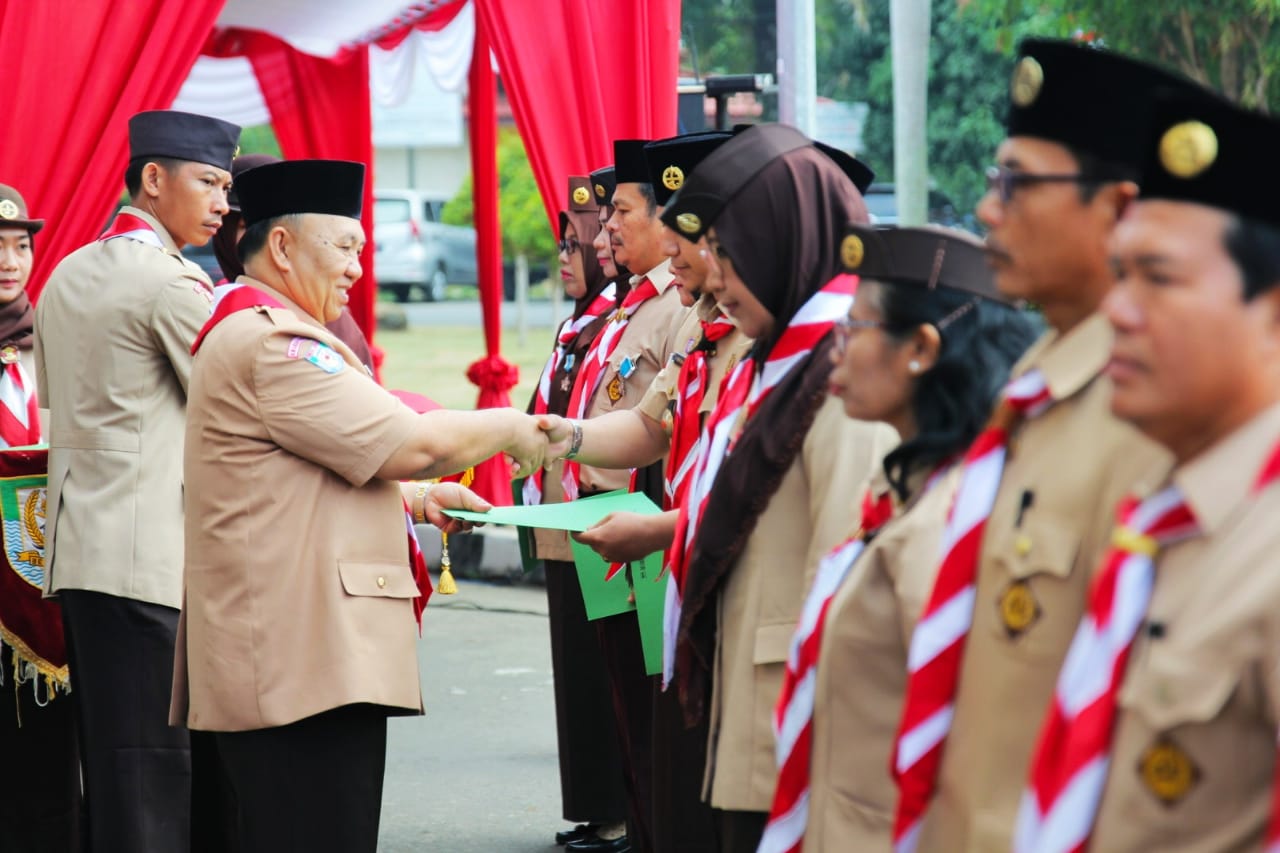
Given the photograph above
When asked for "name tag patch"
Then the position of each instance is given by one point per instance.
(321, 355)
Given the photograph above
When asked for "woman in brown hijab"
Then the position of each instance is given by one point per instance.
(781, 468)
(592, 788)
(227, 239)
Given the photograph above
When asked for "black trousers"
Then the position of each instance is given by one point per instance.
(40, 808)
(314, 786)
(682, 821)
(137, 769)
(633, 713)
(740, 832)
(591, 775)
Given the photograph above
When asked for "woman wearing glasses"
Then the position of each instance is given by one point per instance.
(780, 467)
(591, 777)
(926, 348)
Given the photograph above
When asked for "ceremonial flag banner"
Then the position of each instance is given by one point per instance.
(30, 625)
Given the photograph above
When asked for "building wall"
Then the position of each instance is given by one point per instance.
(436, 172)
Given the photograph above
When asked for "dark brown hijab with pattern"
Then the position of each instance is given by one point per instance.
(782, 233)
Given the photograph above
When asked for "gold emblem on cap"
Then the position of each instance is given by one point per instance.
(852, 251)
(1018, 608)
(1028, 78)
(8, 209)
(600, 191)
(1188, 148)
(1167, 771)
(236, 153)
(689, 223)
(673, 178)
(581, 196)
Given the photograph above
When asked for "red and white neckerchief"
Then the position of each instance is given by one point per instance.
(741, 394)
(686, 419)
(1069, 770)
(19, 412)
(569, 331)
(133, 227)
(793, 715)
(593, 367)
(937, 644)
(418, 565)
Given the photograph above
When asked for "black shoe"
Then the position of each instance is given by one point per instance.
(582, 830)
(596, 844)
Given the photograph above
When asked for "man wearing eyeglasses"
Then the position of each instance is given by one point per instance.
(1011, 591)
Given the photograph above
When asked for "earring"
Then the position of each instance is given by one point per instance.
(913, 366)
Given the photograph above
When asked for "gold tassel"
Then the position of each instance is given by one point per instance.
(447, 584)
(468, 477)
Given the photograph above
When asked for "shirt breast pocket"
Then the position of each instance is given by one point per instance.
(1038, 597)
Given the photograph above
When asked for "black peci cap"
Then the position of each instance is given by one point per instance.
(929, 257)
(333, 187)
(239, 166)
(1213, 153)
(603, 183)
(671, 160)
(856, 170)
(1091, 100)
(183, 136)
(628, 160)
(695, 206)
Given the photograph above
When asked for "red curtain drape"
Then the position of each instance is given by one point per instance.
(74, 74)
(320, 108)
(580, 74)
(492, 374)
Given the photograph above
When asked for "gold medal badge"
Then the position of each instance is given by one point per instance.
(673, 178)
(852, 252)
(9, 354)
(614, 389)
(1188, 148)
(8, 209)
(1167, 771)
(600, 192)
(689, 223)
(580, 195)
(1019, 609)
(1028, 80)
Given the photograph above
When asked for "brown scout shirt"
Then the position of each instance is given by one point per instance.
(1195, 741)
(647, 341)
(298, 588)
(862, 673)
(813, 510)
(1075, 462)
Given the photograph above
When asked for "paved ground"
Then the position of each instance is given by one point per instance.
(478, 774)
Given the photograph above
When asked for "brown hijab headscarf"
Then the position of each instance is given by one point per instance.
(782, 233)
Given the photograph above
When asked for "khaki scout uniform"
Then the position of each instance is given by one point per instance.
(113, 337)
(862, 672)
(298, 587)
(729, 350)
(1194, 753)
(647, 341)
(813, 510)
(1075, 462)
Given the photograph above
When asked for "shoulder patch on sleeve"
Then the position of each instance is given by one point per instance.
(321, 355)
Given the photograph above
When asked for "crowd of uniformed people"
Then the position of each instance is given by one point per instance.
(969, 541)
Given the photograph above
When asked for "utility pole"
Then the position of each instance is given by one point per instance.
(909, 39)
(797, 65)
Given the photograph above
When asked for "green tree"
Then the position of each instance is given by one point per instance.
(524, 220)
(1230, 45)
(260, 139)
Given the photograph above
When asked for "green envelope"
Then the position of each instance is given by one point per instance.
(602, 597)
(651, 595)
(575, 515)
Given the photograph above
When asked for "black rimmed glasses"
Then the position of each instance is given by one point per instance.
(569, 245)
(845, 326)
(1004, 182)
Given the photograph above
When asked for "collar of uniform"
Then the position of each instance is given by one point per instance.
(1217, 481)
(1071, 361)
(660, 276)
(708, 309)
(282, 299)
(161, 231)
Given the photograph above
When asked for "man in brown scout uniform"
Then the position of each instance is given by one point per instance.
(297, 637)
(1185, 756)
(1063, 177)
(113, 334)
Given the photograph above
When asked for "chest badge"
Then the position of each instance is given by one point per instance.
(615, 389)
(9, 354)
(1019, 609)
(1167, 771)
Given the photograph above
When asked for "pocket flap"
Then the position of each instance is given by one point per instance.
(385, 580)
(772, 643)
(1043, 545)
(1171, 690)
